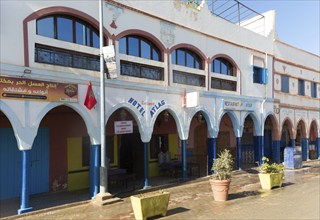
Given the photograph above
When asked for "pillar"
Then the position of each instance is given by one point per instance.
(184, 159)
(318, 146)
(305, 149)
(94, 170)
(276, 151)
(146, 165)
(24, 207)
(212, 154)
(239, 155)
(293, 143)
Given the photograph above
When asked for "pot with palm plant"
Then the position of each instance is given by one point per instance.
(220, 179)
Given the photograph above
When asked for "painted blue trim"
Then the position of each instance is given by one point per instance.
(293, 143)
(256, 148)
(94, 170)
(184, 159)
(305, 149)
(262, 147)
(24, 207)
(146, 165)
(276, 151)
(318, 146)
(212, 147)
(239, 155)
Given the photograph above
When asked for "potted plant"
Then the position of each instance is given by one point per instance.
(150, 204)
(221, 177)
(270, 175)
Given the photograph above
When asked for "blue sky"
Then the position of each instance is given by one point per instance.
(297, 21)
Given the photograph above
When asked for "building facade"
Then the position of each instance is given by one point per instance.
(188, 84)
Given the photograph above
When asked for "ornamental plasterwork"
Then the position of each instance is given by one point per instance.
(116, 11)
(167, 33)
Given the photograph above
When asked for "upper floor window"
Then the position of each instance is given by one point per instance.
(313, 89)
(139, 47)
(284, 84)
(260, 75)
(301, 87)
(69, 29)
(222, 66)
(185, 57)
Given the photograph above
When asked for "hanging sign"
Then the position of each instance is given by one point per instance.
(123, 127)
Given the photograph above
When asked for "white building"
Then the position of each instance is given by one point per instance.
(188, 82)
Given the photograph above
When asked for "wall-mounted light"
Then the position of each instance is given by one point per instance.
(27, 71)
(166, 116)
(200, 117)
(123, 115)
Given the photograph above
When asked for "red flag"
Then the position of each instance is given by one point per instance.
(90, 100)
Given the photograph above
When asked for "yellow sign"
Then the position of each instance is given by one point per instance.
(21, 88)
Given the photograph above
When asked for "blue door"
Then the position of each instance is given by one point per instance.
(10, 164)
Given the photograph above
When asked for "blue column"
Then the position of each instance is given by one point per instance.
(318, 146)
(261, 147)
(212, 148)
(184, 159)
(304, 148)
(239, 154)
(276, 151)
(293, 143)
(257, 149)
(24, 207)
(146, 165)
(94, 170)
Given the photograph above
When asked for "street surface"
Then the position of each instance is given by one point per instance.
(299, 198)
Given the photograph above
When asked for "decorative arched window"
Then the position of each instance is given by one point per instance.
(222, 66)
(140, 47)
(67, 28)
(185, 57)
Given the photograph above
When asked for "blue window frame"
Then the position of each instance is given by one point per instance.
(67, 28)
(260, 75)
(284, 84)
(301, 90)
(185, 57)
(313, 90)
(140, 47)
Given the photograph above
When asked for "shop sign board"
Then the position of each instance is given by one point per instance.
(29, 89)
(123, 127)
(238, 105)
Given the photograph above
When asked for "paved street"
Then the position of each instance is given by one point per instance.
(297, 199)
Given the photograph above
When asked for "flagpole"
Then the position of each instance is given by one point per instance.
(103, 170)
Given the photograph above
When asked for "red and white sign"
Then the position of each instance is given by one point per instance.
(123, 127)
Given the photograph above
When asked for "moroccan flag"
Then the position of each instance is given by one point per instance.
(90, 100)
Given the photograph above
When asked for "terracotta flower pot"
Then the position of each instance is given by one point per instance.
(220, 189)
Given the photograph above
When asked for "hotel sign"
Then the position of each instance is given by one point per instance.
(29, 89)
(238, 105)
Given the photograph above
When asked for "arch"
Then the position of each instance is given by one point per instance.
(192, 48)
(51, 11)
(212, 129)
(255, 120)
(304, 127)
(316, 128)
(146, 35)
(9, 113)
(290, 128)
(92, 130)
(183, 134)
(236, 128)
(226, 57)
(275, 125)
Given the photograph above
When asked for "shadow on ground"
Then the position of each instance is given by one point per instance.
(171, 212)
(243, 194)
